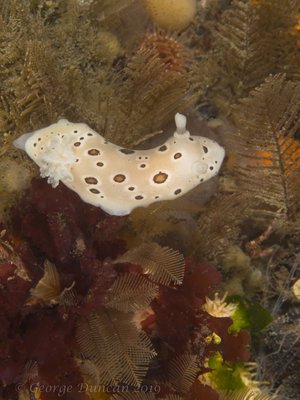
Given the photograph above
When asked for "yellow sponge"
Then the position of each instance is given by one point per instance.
(171, 14)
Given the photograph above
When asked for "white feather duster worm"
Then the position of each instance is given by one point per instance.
(117, 179)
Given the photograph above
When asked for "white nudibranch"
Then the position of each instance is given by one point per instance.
(116, 179)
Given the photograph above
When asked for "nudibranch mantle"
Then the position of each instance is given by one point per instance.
(116, 179)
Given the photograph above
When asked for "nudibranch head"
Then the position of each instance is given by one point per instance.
(116, 179)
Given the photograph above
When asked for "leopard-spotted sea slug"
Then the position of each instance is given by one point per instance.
(117, 179)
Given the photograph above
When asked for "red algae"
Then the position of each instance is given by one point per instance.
(81, 241)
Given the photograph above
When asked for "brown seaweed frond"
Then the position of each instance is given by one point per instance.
(267, 152)
(20, 97)
(279, 20)
(182, 372)
(108, 9)
(10, 115)
(247, 394)
(250, 39)
(163, 264)
(241, 49)
(33, 87)
(9, 10)
(120, 352)
(10, 51)
(131, 292)
(219, 225)
(145, 98)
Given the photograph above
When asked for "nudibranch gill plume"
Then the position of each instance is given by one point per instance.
(117, 179)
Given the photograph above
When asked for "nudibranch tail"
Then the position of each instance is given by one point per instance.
(116, 179)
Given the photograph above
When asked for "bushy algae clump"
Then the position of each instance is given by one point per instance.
(80, 276)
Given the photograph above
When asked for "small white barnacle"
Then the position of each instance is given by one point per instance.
(116, 179)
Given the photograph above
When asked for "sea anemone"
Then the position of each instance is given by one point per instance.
(172, 54)
(218, 307)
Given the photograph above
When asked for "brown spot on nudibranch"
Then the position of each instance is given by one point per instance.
(100, 164)
(94, 191)
(131, 188)
(161, 177)
(91, 181)
(143, 165)
(177, 191)
(94, 152)
(126, 151)
(205, 149)
(119, 178)
(139, 197)
(163, 148)
(177, 155)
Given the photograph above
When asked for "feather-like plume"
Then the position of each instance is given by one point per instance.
(10, 115)
(134, 396)
(182, 372)
(247, 49)
(241, 49)
(33, 84)
(131, 292)
(266, 150)
(89, 371)
(217, 225)
(248, 394)
(144, 396)
(68, 296)
(163, 264)
(145, 98)
(48, 288)
(30, 372)
(120, 352)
